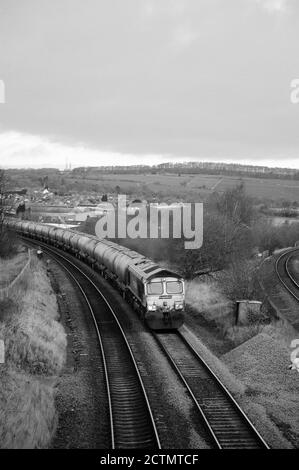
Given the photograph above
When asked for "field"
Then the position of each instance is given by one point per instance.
(192, 187)
(165, 186)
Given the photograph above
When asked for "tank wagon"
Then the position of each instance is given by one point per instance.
(157, 294)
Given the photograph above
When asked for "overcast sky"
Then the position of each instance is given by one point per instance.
(142, 81)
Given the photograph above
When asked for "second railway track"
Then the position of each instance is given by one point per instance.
(284, 274)
(132, 424)
(226, 423)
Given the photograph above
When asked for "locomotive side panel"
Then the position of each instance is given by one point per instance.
(156, 294)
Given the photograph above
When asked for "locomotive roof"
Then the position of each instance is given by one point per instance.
(148, 269)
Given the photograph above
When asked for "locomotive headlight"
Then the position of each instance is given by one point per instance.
(152, 307)
(178, 305)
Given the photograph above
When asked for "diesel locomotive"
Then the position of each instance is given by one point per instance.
(157, 294)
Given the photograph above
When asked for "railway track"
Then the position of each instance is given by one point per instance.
(131, 420)
(226, 423)
(132, 425)
(283, 271)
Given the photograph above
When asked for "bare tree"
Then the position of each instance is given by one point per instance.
(237, 209)
(239, 281)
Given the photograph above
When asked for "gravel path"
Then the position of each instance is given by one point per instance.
(82, 415)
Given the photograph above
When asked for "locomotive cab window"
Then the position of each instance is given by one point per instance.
(174, 287)
(155, 288)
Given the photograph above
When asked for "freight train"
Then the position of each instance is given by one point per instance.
(157, 294)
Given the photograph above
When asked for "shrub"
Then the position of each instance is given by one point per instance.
(8, 243)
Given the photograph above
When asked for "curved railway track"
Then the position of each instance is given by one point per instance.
(226, 423)
(132, 425)
(283, 271)
(131, 420)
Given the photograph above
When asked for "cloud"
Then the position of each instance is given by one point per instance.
(175, 16)
(26, 150)
(273, 6)
(157, 8)
(20, 150)
(204, 78)
(184, 36)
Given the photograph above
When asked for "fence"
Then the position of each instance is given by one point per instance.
(267, 301)
(6, 291)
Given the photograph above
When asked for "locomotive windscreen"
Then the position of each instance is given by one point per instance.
(155, 288)
(174, 287)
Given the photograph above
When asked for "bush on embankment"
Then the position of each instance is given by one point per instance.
(215, 302)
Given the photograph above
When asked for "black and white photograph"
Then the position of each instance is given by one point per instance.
(149, 229)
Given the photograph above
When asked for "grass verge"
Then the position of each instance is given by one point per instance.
(10, 268)
(35, 351)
